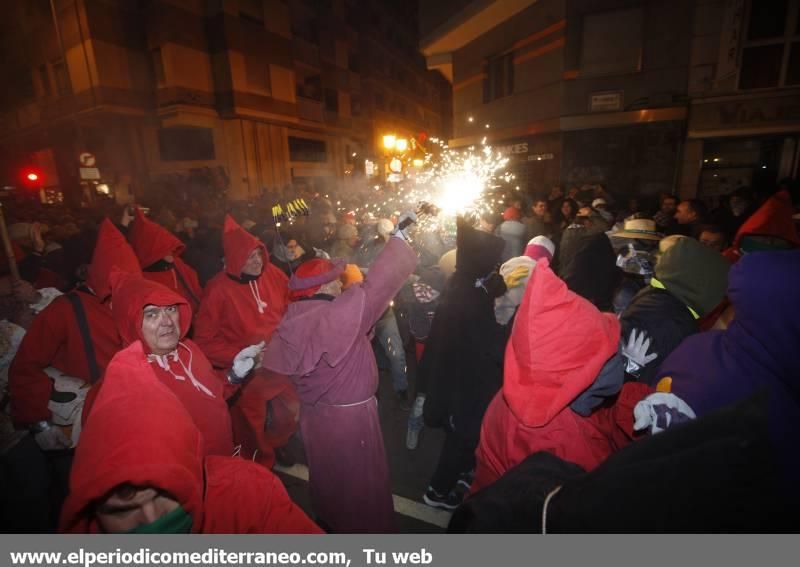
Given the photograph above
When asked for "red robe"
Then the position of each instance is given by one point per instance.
(140, 434)
(152, 243)
(559, 345)
(229, 320)
(188, 373)
(54, 338)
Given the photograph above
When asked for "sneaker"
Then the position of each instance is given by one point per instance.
(445, 502)
(465, 480)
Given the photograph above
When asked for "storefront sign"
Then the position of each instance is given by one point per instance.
(540, 157)
(757, 112)
(90, 173)
(605, 101)
(511, 149)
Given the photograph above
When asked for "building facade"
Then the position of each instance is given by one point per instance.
(245, 96)
(633, 94)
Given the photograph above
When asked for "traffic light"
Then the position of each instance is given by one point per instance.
(32, 177)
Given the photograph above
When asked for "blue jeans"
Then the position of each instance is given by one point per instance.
(388, 335)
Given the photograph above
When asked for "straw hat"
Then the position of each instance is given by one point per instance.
(644, 229)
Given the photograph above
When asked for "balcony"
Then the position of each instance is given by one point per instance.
(305, 52)
(309, 109)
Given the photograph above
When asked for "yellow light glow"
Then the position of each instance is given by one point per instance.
(418, 162)
(460, 191)
(389, 141)
(401, 145)
(470, 119)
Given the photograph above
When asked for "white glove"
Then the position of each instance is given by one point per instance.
(635, 351)
(244, 361)
(660, 411)
(52, 439)
(403, 224)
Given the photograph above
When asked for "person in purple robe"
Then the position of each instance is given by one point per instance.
(758, 352)
(323, 344)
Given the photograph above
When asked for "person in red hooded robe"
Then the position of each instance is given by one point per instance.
(159, 253)
(142, 467)
(55, 339)
(242, 306)
(147, 311)
(562, 384)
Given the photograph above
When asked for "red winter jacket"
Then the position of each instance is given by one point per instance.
(54, 338)
(140, 434)
(229, 318)
(152, 243)
(559, 344)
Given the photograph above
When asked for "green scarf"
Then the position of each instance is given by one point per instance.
(176, 522)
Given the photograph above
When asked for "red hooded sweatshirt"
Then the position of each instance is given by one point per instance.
(186, 372)
(140, 434)
(559, 344)
(54, 338)
(152, 243)
(236, 313)
(773, 218)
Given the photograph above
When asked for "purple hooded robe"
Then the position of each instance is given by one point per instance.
(324, 346)
(760, 350)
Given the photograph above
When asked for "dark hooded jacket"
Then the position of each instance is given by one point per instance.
(462, 362)
(694, 278)
(588, 265)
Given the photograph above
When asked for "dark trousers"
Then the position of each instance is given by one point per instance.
(457, 457)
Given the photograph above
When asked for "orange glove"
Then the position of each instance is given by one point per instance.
(351, 275)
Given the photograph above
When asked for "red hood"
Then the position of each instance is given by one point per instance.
(558, 346)
(238, 243)
(151, 241)
(138, 433)
(111, 251)
(773, 218)
(131, 293)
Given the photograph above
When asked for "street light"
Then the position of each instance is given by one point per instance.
(401, 145)
(389, 141)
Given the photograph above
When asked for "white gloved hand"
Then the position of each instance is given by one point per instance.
(403, 224)
(52, 439)
(635, 351)
(660, 411)
(244, 362)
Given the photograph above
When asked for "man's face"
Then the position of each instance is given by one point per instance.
(685, 214)
(329, 225)
(539, 208)
(294, 250)
(713, 240)
(128, 509)
(668, 206)
(161, 328)
(254, 263)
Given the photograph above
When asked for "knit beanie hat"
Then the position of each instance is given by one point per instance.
(540, 247)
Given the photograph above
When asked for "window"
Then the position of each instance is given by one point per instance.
(310, 87)
(499, 81)
(304, 149)
(257, 74)
(186, 144)
(771, 46)
(44, 78)
(158, 66)
(331, 100)
(62, 77)
(623, 55)
(380, 101)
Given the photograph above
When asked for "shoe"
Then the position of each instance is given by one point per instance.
(284, 457)
(436, 500)
(402, 400)
(465, 480)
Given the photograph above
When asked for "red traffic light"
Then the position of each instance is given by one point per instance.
(31, 177)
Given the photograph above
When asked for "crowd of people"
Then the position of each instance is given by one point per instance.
(587, 359)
